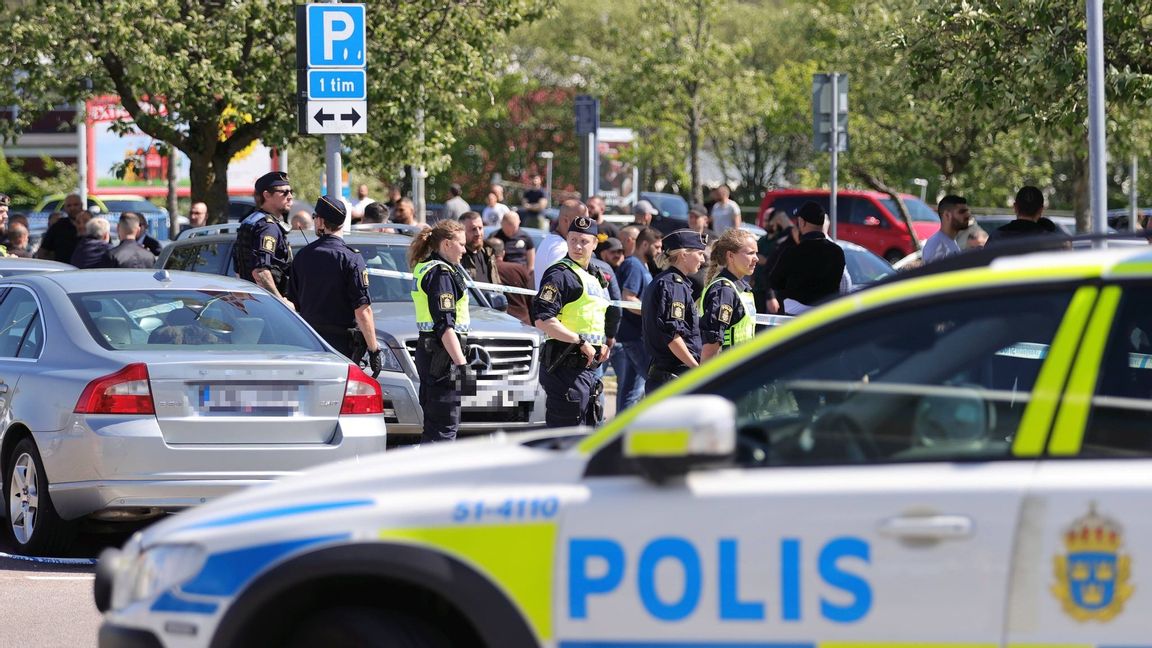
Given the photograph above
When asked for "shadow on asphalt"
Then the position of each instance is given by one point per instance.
(90, 541)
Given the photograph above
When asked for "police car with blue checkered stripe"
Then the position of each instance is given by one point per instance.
(956, 459)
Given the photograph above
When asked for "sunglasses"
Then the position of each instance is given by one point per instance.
(285, 192)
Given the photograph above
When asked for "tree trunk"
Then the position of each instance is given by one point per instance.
(1081, 191)
(879, 185)
(210, 185)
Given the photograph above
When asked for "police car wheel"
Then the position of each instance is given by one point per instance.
(366, 627)
(33, 525)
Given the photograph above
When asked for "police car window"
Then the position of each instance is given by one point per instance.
(1120, 421)
(940, 381)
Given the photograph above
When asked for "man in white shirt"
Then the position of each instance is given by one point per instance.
(725, 213)
(954, 216)
(555, 245)
(494, 210)
(362, 201)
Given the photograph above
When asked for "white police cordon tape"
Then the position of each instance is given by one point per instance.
(44, 560)
(762, 320)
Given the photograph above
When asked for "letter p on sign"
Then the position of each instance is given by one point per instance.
(336, 36)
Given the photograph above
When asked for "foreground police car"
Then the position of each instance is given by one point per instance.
(957, 459)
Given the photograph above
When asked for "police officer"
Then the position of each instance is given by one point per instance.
(570, 308)
(329, 286)
(670, 323)
(441, 298)
(262, 254)
(728, 308)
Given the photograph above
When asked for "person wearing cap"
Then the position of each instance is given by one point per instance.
(570, 309)
(442, 317)
(643, 212)
(727, 308)
(329, 286)
(671, 325)
(811, 270)
(261, 253)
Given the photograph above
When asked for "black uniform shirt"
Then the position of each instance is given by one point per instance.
(92, 253)
(329, 281)
(809, 271)
(130, 254)
(440, 281)
(667, 310)
(559, 286)
(722, 308)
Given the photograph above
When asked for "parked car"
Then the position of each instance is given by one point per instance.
(16, 266)
(864, 267)
(508, 395)
(106, 203)
(131, 393)
(867, 218)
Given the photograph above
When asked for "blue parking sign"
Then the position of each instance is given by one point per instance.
(336, 36)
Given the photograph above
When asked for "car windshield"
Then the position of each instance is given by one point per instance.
(865, 267)
(383, 257)
(917, 209)
(193, 320)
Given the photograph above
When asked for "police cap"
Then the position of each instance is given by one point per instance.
(584, 225)
(683, 239)
(271, 180)
(331, 209)
(5, 201)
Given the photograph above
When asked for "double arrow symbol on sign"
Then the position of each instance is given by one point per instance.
(322, 117)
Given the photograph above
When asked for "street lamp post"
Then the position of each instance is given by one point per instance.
(547, 157)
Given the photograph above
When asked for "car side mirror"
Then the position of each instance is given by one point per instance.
(497, 300)
(668, 440)
(872, 221)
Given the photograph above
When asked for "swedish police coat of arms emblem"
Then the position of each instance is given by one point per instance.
(1092, 576)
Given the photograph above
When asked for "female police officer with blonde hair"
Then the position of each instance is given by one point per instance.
(441, 299)
(727, 308)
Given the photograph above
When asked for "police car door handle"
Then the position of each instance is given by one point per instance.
(927, 527)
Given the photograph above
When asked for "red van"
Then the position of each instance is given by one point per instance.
(867, 218)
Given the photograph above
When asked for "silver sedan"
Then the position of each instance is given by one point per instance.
(125, 394)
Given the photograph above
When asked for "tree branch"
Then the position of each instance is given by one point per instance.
(146, 122)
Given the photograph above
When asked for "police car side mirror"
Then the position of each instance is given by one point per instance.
(670, 438)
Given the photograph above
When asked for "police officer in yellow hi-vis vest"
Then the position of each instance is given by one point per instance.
(569, 308)
(441, 298)
(727, 308)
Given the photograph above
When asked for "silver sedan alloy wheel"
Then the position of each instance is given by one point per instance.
(24, 498)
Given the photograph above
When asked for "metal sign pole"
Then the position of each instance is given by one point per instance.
(1134, 197)
(835, 147)
(1097, 146)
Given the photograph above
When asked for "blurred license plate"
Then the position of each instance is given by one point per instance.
(262, 400)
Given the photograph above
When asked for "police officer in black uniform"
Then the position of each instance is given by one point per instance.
(440, 295)
(262, 254)
(570, 309)
(669, 319)
(329, 286)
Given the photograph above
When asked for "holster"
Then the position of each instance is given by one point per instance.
(441, 363)
(595, 407)
(561, 355)
(661, 375)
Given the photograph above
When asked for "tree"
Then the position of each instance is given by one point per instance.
(211, 77)
(670, 77)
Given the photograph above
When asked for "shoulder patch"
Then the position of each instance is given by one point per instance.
(678, 310)
(447, 301)
(677, 278)
(365, 276)
(549, 293)
(725, 314)
(269, 243)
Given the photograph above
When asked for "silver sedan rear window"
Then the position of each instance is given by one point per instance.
(192, 320)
